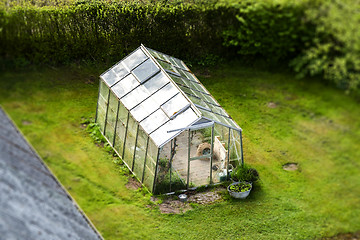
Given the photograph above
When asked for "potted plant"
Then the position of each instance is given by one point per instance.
(243, 177)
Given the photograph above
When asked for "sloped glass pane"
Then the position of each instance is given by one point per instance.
(120, 70)
(134, 59)
(135, 97)
(167, 66)
(156, 82)
(125, 86)
(209, 115)
(175, 104)
(144, 109)
(165, 93)
(180, 63)
(182, 120)
(179, 80)
(110, 77)
(154, 121)
(145, 70)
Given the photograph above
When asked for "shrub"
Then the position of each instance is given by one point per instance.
(334, 52)
(245, 173)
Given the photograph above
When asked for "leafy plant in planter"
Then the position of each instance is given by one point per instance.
(240, 187)
(245, 173)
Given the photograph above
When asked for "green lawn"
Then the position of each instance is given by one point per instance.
(312, 124)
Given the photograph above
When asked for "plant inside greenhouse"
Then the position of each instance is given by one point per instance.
(163, 123)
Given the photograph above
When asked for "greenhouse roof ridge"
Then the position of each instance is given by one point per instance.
(162, 94)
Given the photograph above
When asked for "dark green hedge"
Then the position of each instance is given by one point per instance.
(321, 36)
(100, 30)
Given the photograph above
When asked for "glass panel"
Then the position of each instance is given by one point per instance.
(162, 135)
(156, 82)
(134, 59)
(154, 121)
(110, 77)
(235, 148)
(209, 115)
(179, 162)
(175, 104)
(120, 70)
(125, 86)
(179, 80)
(102, 103)
(168, 67)
(173, 62)
(190, 76)
(110, 125)
(180, 63)
(163, 177)
(101, 117)
(130, 142)
(135, 97)
(145, 109)
(120, 129)
(140, 153)
(165, 93)
(150, 165)
(113, 101)
(104, 90)
(145, 70)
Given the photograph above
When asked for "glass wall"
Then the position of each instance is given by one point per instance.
(130, 138)
(102, 104)
(235, 148)
(150, 165)
(120, 129)
(111, 117)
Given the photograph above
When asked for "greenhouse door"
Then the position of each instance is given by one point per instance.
(200, 156)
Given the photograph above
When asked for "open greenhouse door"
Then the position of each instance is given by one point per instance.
(200, 155)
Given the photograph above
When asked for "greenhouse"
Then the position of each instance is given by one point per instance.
(166, 127)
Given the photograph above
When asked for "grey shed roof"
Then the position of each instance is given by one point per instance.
(162, 94)
(33, 203)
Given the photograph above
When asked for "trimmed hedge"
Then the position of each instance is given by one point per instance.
(321, 36)
(99, 30)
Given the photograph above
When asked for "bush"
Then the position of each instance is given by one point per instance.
(334, 52)
(245, 173)
(267, 29)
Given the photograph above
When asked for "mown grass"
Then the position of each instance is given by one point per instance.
(312, 124)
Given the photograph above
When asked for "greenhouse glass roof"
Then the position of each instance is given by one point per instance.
(163, 95)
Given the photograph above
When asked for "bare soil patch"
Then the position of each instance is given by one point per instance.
(133, 184)
(291, 167)
(345, 236)
(173, 205)
(272, 105)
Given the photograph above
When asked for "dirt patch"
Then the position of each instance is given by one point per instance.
(205, 197)
(173, 205)
(26, 122)
(345, 236)
(291, 166)
(133, 184)
(272, 105)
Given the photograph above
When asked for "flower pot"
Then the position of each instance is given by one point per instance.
(240, 195)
